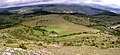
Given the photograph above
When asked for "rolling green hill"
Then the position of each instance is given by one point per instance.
(43, 31)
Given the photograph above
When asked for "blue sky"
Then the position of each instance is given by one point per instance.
(10, 3)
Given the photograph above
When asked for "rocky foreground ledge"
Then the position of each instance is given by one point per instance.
(61, 50)
(19, 51)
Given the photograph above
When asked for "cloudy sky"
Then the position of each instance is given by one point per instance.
(10, 3)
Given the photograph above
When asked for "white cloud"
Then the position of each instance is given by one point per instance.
(8, 3)
(117, 2)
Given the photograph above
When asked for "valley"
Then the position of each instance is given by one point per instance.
(55, 33)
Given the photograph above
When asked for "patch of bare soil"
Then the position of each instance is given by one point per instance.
(115, 26)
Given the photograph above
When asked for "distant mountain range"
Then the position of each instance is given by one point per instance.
(85, 9)
(107, 8)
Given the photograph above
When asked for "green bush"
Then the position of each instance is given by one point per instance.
(40, 44)
(9, 41)
(22, 46)
(53, 32)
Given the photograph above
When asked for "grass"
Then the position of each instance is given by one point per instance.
(36, 32)
(32, 38)
(58, 24)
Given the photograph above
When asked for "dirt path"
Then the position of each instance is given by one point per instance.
(115, 26)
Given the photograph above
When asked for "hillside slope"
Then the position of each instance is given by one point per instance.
(48, 34)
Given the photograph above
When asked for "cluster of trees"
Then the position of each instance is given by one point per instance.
(77, 20)
(7, 21)
(116, 31)
(43, 30)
